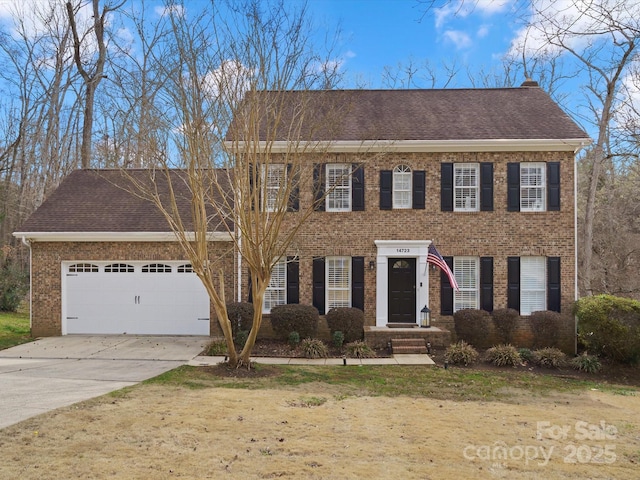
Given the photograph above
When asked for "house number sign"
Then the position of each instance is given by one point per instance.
(403, 250)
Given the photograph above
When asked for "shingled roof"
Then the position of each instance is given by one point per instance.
(525, 112)
(106, 201)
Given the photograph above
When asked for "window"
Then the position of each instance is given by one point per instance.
(186, 268)
(119, 268)
(402, 188)
(276, 292)
(466, 271)
(156, 268)
(338, 282)
(532, 187)
(466, 187)
(273, 179)
(533, 281)
(83, 267)
(338, 187)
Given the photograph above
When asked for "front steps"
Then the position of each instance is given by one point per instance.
(382, 337)
(408, 346)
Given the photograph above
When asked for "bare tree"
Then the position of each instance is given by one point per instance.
(238, 84)
(91, 76)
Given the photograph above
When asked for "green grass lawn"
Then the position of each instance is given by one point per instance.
(14, 329)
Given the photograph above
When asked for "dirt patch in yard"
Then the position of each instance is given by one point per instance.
(321, 431)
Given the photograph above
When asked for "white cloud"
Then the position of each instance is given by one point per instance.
(483, 31)
(177, 10)
(460, 39)
(465, 8)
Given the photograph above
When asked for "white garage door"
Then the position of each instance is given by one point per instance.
(151, 298)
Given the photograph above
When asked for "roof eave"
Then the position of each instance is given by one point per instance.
(115, 236)
(417, 146)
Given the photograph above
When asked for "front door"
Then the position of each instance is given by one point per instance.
(402, 290)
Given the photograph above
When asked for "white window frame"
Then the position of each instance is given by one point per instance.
(274, 177)
(402, 187)
(338, 187)
(338, 282)
(533, 185)
(466, 187)
(276, 292)
(466, 271)
(533, 284)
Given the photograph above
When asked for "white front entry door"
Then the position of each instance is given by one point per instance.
(150, 298)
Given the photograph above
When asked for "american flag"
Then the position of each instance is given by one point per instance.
(434, 257)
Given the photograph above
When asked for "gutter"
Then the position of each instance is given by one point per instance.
(27, 243)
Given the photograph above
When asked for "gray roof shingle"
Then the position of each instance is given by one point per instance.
(525, 113)
(105, 201)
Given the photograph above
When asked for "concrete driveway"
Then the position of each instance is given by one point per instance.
(54, 372)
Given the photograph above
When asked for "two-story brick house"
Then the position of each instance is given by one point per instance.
(487, 175)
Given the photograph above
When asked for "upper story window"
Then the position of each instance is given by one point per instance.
(466, 187)
(338, 187)
(402, 188)
(276, 292)
(532, 187)
(274, 177)
(467, 273)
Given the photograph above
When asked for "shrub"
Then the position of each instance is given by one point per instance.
(461, 353)
(525, 354)
(338, 339)
(586, 363)
(360, 349)
(14, 281)
(505, 321)
(294, 318)
(549, 357)
(314, 348)
(240, 338)
(503, 355)
(545, 326)
(294, 339)
(240, 315)
(349, 321)
(610, 326)
(473, 326)
(216, 347)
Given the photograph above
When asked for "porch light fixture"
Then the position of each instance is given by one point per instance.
(425, 317)
(372, 265)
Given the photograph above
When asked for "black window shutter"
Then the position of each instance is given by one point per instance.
(419, 182)
(293, 280)
(250, 289)
(446, 290)
(386, 182)
(513, 188)
(318, 187)
(486, 283)
(553, 186)
(513, 283)
(553, 284)
(293, 178)
(486, 187)
(446, 187)
(357, 282)
(357, 188)
(252, 179)
(318, 284)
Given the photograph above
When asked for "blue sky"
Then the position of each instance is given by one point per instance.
(379, 33)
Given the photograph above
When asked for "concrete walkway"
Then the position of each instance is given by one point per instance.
(54, 372)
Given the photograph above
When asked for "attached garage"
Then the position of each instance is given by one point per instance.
(144, 298)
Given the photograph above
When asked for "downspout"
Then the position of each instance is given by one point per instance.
(239, 243)
(575, 246)
(26, 243)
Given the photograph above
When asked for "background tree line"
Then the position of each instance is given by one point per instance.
(101, 83)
